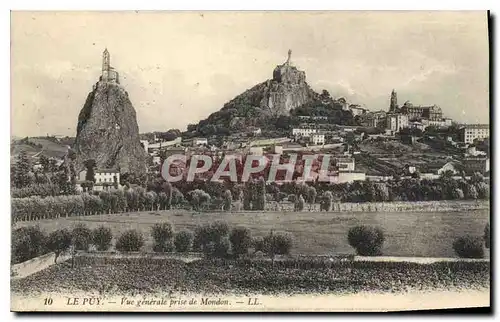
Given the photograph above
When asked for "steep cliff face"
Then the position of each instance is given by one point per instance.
(288, 89)
(107, 131)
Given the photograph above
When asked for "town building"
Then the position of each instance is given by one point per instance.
(452, 166)
(199, 141)
(422, 112)
(103, 178)
(348, 177)
(441, 123)
(145, 144)
(396, 121)
(303, 131)
(375, 119)
(417, 125)
(256, 150)
(357, 110)
(472, 165)
(345, 164)
(318, 138)
(471, 132)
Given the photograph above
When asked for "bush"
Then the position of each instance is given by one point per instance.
(27, 243)
(366, 240)
(59, 241)
(326, 201)
(208, 237)
(258, 244)
(219, 249)
(487, 235)
(241, 240)
(277, 244)
(469, 247)
(82, 237)
(183, 241)
(162, 233)
(130, 240)
(299, 203)
(165, 247)
(101, 238)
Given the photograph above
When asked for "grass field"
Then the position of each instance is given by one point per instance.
(422, 234)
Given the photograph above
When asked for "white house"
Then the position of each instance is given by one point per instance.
(396, 121)
(103, 177)
(303, 131)
(200, 141)
(450, 166)
(256, 150)
(145, 144)
(318, 138)
(345, 164)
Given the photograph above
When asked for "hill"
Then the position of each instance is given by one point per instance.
(274, 104)
(36, 146)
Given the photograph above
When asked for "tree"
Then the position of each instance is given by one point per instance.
(241, 240)
(208, 238)
(22, 171)
(131, 240)
(198, 199)
(90, 167)
(299, 204)
(27, 243)
(101, 238)
(162, 235)
(183, 241)
(82, 237)
(228, 199)
(59, 241)
(45, 163)
(311, 195)
(366, 240)
(167, 189)
(326, 201)
(469, 247)
(487, 235)
(483, 190)
(277, 244)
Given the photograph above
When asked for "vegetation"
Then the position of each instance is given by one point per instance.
(293, 276)
(366, 240)
(487, 237)
(469, 247)
(183, 241)
(82, 237)
(277, 244)
(130, 241)
(101, 238)
(27, 243)
(241, 240)
(59, 241)
(162, 235)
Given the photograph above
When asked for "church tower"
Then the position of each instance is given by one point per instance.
(109, 74)
(394, 102)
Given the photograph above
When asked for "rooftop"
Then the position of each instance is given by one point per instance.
(476, 126)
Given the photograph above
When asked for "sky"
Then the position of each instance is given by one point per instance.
(178, 67)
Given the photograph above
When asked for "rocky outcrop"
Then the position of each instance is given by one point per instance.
(107, 131)
(288, 89)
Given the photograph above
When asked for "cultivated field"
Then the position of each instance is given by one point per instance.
(420, 234)
(157, 276)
